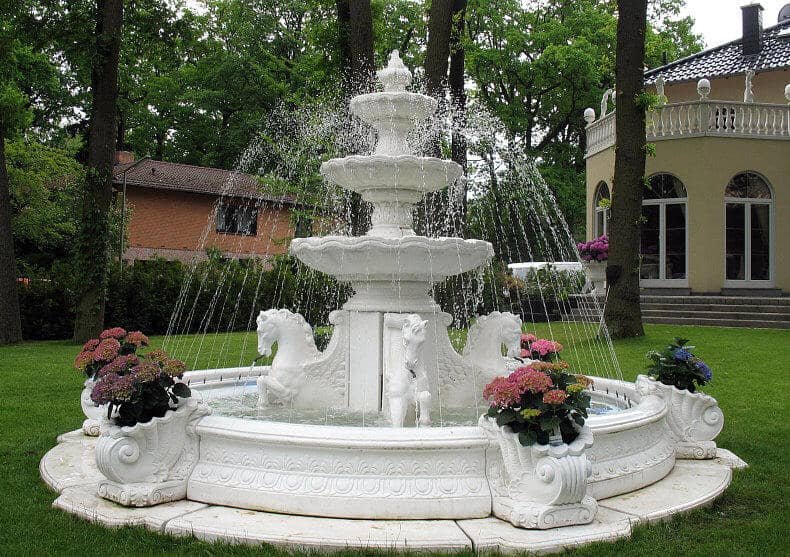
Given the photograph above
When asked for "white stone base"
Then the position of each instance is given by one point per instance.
(68, 468)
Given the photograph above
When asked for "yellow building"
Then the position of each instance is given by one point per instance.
(716, 216)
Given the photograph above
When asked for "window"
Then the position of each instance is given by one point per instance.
(237, 219)
(303, 226)
(664, 232)
(748, 229)
(603, 202)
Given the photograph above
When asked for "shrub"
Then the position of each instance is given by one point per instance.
(677, 365)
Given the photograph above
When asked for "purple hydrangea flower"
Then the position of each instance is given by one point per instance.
(683, 355)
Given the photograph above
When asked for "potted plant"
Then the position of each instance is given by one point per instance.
(694, 418)
(148, 444)
(537, 456)
(114, 348)
(594, 255)
(534, 348)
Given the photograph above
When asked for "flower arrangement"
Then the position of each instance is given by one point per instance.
(594, 250)
(677, 365)
(540, 401)
(135, 387)
(542, 349)
(98, 353)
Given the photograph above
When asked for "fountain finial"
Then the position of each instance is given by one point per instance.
(396, 76)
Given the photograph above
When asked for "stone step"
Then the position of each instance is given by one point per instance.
(755, 324)
(721, 315)
(719, 300)
(735, 308)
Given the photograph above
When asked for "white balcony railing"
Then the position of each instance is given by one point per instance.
(697, 119)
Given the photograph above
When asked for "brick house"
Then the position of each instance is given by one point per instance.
(178, 211)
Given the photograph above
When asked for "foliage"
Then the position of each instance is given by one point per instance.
(540, 402)
(596, 249)
(676, 365)
(44, 184)
(217, 294)
(134, 388)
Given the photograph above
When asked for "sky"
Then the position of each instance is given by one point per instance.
(719, 21)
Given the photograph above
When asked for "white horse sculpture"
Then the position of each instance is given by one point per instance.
(408, 382)
(295, 347)
(484, 342)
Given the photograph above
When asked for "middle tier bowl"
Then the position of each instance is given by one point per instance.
(397, 178)
(416, 258)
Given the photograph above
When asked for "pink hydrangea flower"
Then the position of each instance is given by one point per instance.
(555, 396)
(544, 347)
(137, 338)
(527, 338)
(107, 350)
(115, 332)
(90, 345)
(119, 365)
(157, 355)
(529, 379)
(83, 359)
(501, 392)
(147, 370)
(174, 367)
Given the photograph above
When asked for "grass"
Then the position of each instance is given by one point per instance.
(39, 395)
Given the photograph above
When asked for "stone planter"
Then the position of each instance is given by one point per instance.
(540, 486)
(694, 419)
(150, 463)
(596, 276)
(93, 414)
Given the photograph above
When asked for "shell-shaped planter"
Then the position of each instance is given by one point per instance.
(539, 486)
(150, 463)
(93, 414)
(694, 419)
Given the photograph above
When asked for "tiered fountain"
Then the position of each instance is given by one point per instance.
(390, 364)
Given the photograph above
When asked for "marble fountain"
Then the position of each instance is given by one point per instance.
(273, 471)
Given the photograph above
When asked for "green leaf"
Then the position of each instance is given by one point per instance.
(527, 437)
(181, 390)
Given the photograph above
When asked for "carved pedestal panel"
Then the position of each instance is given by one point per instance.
(540, 486)
(150, 463)
(93, 414)
(694, 419)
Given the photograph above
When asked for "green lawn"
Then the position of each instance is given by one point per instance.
(39, 398)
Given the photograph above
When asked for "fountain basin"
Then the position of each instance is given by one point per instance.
(391, 178)
(409, 473)
(408, 258)
(389, 106)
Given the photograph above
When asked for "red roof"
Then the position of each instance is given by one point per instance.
(173, 176)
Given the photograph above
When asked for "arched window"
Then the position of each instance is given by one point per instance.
(603, 202)
(664, 232)
(748, 229)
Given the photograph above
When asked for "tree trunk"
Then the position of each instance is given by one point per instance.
(440, 16)
(623, 314)
(458, 100)
(432, 213)
(93, 241)
(10, 324)
(355, 43)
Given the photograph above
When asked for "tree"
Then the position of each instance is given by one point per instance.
(538, 65)
(93, 241)
(623, 314)
(14, 115)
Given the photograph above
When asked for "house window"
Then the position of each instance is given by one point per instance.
(237, 219)
(664, 232)
(748, 204)
(303, 226)
(603, 203)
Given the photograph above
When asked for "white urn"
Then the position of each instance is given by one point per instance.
(596, 276)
